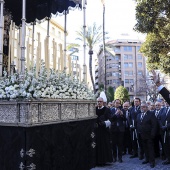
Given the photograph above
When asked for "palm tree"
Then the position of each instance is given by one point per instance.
(93, 36)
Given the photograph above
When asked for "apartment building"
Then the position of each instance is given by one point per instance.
(127, 68)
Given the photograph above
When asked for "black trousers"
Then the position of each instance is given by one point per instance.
(117, 144)
(148, 145)
(127, 143)
(157, 141)
(166, 146)
(141, 148)
(134, 142)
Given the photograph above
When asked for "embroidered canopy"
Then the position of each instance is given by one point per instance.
(39, 9)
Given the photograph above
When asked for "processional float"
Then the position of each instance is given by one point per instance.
(55, 133)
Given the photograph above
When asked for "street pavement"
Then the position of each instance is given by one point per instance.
(133, 164)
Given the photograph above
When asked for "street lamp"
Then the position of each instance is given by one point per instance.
(104, 55)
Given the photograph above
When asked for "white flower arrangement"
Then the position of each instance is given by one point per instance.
(57, 86)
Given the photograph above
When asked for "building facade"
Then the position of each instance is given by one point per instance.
(127, 68)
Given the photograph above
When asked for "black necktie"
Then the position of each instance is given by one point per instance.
(142, 116)
(167, 110)
(127, 115)
(156, 113)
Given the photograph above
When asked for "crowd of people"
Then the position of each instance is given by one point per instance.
(141, 129)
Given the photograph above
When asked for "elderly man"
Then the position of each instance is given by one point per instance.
(164, 121)
(147, 126)
(103, 146)
(158, 111)
(152, 107)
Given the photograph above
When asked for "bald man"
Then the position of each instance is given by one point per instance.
(103, 146)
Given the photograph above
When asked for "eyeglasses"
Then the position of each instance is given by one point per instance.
(99, 101)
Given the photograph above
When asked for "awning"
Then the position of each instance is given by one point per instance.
(39, 9)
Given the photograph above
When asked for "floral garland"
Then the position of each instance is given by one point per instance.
(57, 86)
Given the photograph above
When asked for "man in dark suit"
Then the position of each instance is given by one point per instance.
(117, 131)
(147, 126)
(164, 123)
(136, 141)
(127, 143)
(152, 107)
(158, 140)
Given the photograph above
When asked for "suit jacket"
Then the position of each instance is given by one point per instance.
(161, 111)
(117, 123)
(162, 121)
(133, 115)
(148, 126)
(168, 123)
(126, 122)
(165, 94)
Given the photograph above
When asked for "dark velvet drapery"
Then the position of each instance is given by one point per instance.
(64, 146)
(38, 9)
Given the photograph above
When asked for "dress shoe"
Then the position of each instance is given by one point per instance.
(166, 163)
(141, 157)
(134, 156)
(157, 155)
(152, 165)
(163, 157)
(114, 160)
(100, 165)
(120, 161)
(130, 153)
(145, 162)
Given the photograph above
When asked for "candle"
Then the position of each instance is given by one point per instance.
(19, 50)
(61, 58)
(69, 64)
(28, 57)
(32, 49)
(48, 57)
(38, 58)
(18, 53)
(37, 62)
(72, 70)
(9, 51)
(39, 49)
(13, 41)
(79, 73)
(54, 55)
(58, 64)
(85, 73)
(45, 52)
(76, 70)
